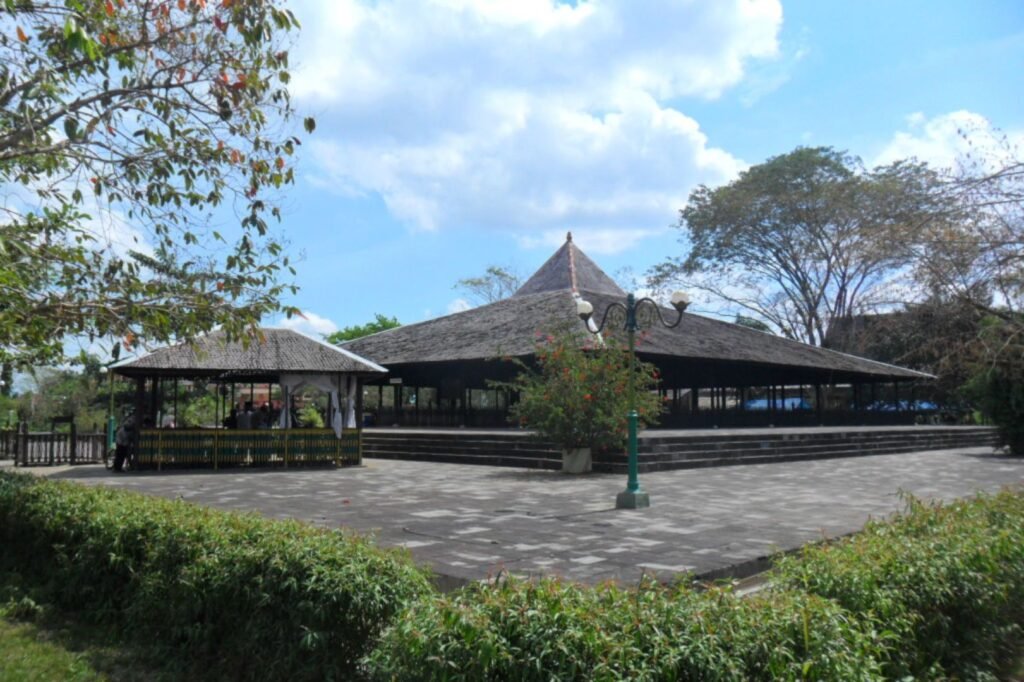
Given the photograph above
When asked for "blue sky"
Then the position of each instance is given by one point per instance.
(456, 134)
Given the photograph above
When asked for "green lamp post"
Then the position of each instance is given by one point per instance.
(633, 497)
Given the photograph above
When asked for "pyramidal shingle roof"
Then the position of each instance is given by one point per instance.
(547, 302)
(569, 269)
(274, 351)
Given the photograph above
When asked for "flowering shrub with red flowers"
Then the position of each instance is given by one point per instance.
(577, 393)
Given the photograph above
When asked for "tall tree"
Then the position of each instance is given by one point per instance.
(803, 238)
(123, 126)
(978, 261)
(380, 323)
(497, 283)
(979, 257)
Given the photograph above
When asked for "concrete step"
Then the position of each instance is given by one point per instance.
(657, 453)
(479, 459)
(726, 444)
(460, 446)
(731, 442)
(864, 447)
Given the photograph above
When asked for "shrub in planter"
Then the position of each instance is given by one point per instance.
(577, 395)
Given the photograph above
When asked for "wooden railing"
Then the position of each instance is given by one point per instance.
(189, 448)
(7, 437)
(51, 448)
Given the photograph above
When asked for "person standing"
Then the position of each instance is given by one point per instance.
(245, 419)
(123, 442)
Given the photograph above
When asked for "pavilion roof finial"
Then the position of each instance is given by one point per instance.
(569, 269)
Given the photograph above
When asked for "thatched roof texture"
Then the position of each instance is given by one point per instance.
(273, 352)
(547, 302)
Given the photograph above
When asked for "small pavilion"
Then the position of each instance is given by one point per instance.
(713, 373)
(281, 357)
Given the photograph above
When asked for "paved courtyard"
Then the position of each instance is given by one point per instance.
(469, 522)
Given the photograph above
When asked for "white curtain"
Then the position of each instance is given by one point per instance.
(351, 398)
(335, 385)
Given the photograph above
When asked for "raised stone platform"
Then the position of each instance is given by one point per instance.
(663, 450)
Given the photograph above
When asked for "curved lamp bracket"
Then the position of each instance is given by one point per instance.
(627, 312)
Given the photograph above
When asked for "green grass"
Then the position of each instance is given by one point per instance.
(27, 655)
(39, 643)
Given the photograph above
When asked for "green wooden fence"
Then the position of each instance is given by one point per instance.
(186, 448)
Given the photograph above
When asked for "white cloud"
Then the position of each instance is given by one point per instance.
(458, 305)
(944, 141)
(307, 323)
(523, 116)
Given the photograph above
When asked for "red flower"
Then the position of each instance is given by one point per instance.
(587, 396)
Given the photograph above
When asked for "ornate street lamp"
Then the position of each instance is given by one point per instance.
(633, 497)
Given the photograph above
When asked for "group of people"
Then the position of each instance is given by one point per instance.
(248, 418)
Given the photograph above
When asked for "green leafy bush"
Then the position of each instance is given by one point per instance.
(946, 581)
(245, 596)
(938, 593)
(578, 394)
(1000, 392)
(551, 630)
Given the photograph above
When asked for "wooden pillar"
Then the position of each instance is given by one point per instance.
(896, 395)
(73, 444)
(330, 412)
(818, 406)
(695, 399)
(154, 400)
(359, 403)
(140, 407)
(22, 446)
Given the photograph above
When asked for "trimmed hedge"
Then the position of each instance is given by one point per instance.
(244, 596)
(936, 593)
(946, 581)
(551, 630)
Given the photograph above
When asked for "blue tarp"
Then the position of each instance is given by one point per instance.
(903, 406)
(790, 404)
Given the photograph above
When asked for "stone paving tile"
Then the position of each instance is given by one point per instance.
(471, 522)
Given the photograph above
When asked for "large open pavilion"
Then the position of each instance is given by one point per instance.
(713, 373)
(279, 358)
